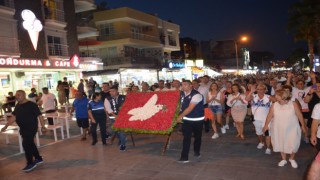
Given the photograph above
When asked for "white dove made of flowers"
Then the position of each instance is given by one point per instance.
(147, 110)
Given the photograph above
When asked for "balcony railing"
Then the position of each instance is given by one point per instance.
(56, 14)
(131, 35)
(130, 60)
(7, 3)
(9, 44)
(57, 49)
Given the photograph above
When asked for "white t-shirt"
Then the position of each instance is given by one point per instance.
(204, 89)
(195, 99)
(213, 102)
(164, 89)
(48, 102)
(260, 107)
(300, 94)
(316, 117)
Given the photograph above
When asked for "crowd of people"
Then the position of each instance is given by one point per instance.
(280, 105)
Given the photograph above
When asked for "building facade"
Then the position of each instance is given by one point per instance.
(129, 41)
(39, 43)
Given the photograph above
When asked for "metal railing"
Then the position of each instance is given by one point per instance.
(57, 49)
(131, 35)
(9, 44)
(56, 14)
(7, 3)
(90, 1)
(130, 60)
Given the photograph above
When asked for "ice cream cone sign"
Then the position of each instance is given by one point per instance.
(32, 25)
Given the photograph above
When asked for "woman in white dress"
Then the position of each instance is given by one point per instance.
(285, 129)
(237, 102)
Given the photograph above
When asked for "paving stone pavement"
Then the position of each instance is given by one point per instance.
(224, 158)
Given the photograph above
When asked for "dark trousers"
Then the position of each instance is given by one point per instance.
(67, 92)
(189, 127)
(50, 120)
(30, 148)
(102, 124)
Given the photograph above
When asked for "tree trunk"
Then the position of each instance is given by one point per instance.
(311, 53)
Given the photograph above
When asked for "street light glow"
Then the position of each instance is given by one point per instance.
(244, 38)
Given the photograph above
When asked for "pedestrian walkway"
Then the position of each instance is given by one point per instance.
(224, 158)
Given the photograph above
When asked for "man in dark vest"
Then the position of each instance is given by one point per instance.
(192, 117)
(112, 105)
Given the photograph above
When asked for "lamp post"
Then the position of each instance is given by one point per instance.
(303, 59)
(184, 51)
(243, 39)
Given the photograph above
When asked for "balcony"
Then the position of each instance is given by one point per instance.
(56, 18)
(7, 3)
(130, 61)
(9, 45)
(90, 57)
(57, 50)
(130, 35)
(84, 5)
(86, 32)
(7, 7)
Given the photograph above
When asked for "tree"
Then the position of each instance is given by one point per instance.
(296, 56)
(304, 22)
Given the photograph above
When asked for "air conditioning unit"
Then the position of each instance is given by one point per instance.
(19, 74)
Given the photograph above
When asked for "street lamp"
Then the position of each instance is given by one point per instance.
(303, 59)
(242, 39)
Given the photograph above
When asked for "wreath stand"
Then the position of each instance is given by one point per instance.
(165, 146)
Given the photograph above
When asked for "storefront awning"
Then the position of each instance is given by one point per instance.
(99, 72)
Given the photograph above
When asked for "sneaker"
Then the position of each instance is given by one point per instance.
(197, 155)
(122, 148)
(38, 161)
(268, 151)
(215, 136)
(29, 167)
(182, 161)
(226, 127)
(260, 146)
(282, 163)
(94, 143)
(223, 130)
(293, 163)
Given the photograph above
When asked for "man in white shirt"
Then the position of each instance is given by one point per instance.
(203, 90)
(161, 86)
(49, 103)
(175, 85)
(315, 128)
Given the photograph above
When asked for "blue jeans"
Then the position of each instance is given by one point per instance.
(121, 135)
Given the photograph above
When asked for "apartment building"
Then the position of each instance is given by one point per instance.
(129, 41)
(39, 43)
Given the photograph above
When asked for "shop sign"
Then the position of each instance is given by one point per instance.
(39, 63)
(176, 65)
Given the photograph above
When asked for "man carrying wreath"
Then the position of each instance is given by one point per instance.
(192, 117)
(112, 105)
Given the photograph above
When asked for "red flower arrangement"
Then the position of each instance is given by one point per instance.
(149, 113)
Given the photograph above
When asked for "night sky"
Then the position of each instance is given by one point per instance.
(263, 21)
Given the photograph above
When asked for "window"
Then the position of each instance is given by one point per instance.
(172, 39)
(112, 52)
(54, 45)
(106, 29)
